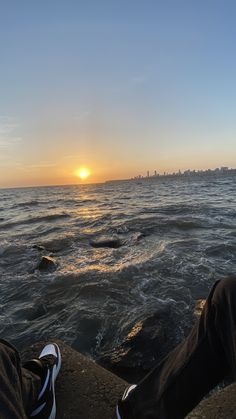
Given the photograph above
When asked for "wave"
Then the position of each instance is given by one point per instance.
(34, 220)
(27, 204)
(221, 250)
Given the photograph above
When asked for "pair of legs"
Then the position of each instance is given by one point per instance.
(171, 389)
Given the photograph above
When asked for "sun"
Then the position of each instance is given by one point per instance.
(83, 173)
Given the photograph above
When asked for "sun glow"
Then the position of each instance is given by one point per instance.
(83, 173)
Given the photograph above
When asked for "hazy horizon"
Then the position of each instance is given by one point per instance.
(134, 177)
(116, 89)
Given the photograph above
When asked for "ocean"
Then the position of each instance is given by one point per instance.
(176, 236)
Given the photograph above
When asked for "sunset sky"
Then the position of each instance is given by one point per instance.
(117, 87)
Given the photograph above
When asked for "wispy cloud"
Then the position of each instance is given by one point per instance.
(41, 165)
(5, 143)
(8, 136)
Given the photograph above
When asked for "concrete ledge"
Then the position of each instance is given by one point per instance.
(222, 405)
(84, 390)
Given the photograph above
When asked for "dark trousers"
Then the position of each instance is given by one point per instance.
(19, 387)
(202, 360)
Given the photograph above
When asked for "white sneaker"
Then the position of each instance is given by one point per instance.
(45, 407)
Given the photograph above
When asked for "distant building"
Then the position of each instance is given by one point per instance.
(148, 173)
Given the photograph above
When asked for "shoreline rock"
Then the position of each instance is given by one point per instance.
(146, 343)
(47, 263)
(85, 390)
(112, 242)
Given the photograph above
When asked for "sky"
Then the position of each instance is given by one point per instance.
(118, 87)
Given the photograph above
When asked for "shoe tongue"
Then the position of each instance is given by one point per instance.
(36, 367)
(47, 361)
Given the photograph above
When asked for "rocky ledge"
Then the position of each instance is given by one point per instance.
(87, 391)
(84, 390)
(222, 405)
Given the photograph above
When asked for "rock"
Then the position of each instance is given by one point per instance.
(113, 242)
(221, 405)
(199, 307)
(47, 264)
(148, 341)
(84, 390)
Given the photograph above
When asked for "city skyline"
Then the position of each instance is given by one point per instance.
(92, 90)
(216, 170)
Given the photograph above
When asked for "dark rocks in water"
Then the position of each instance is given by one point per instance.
(113, 242)
(146, 344)
(47, 264)
(38, 247)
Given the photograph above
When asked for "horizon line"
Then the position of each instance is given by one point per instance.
(113, 180)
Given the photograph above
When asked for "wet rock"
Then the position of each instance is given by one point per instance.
(148, 341)
(47, 264)
(199, 307)
(113, 242)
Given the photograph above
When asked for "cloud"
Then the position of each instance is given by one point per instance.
(41, 165)
(8, 136)
(6, 143)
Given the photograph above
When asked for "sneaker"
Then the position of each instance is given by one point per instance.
(45, 406)
(125, 395)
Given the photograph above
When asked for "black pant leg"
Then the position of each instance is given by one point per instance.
(176, 385)
(18, 387)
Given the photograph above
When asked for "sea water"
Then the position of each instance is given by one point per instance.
(177, 236)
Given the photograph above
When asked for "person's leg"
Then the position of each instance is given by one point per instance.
(18, 386)
(28, 391)
(202, 360)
